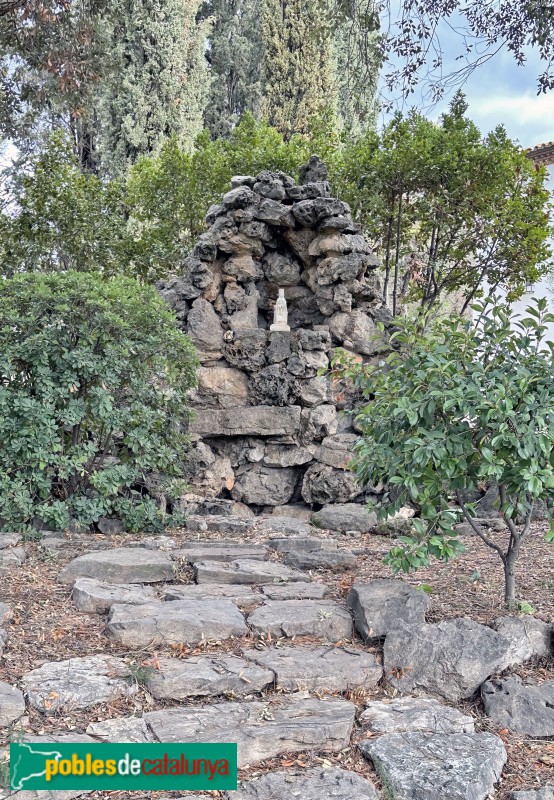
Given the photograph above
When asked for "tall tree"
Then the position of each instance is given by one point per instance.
(233, 54)
(52, 56)
(354, 26)
(298, 66)
(158, 80)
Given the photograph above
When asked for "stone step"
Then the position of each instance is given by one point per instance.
(219, 523)
(242, 596)
(449, 659)
(523, 709)
(295, 591)
(379, 606)
(208, 551)
(177, 679)
(319, 669)
(97, 597)
(9, 540)
(12, 704)
(313, 784)
(289, 618)
(285, 526)
(300, 544)
(77, 683)
(176, 622)
(412, 714)
(437, 766)
(344, 517)
(336, 560)
(12, 557)
(246, 572)
(261, 730)
(120, 565)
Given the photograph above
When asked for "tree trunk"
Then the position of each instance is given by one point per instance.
(510, 579)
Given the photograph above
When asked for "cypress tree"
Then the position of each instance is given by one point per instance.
(158, 80)
(298, 66)
(233, 53)
(358, 60)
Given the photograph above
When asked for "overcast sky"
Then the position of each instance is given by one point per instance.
(499, 91)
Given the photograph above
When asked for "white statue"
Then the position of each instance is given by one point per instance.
(280, 314)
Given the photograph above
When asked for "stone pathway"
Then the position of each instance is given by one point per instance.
(288, 669)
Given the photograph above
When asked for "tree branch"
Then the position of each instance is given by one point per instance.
(477, 530)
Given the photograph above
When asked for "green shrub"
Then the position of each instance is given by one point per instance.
(94, 377)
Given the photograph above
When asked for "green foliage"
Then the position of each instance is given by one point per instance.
(157, 83)
(94, 377)
(452, 406)
(58, 217)
(140, 674)
(449, 207)
(51, 60)
(298, 66)
(445, 208)
(234, 47)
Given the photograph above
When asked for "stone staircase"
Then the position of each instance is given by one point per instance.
(291, 671)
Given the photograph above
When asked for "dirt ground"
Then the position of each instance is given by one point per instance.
(48, 627)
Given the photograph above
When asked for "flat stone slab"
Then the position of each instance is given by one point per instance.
(191, 553)
(336, 560)
(198, 676)
(241, 596)
(522, 708)
(262, 730)
(345, 517)
(380, 605)
(120, 565)
(219, 523)
(299, 544)
(286, 526)
(246, 572)
(544, 793)
(290, 618)
(436, 766)
(12, 704)
(313, 784)
(188, 621)
(247, 421)
(295, 591)
(330, 669)
(527, 636)
(450, 659)
(122, 729)
(411, 714)
(77, 683)
(97, 597)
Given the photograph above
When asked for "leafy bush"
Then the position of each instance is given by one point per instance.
(454, 406)
(445, 207)
(57, 217)
(94, 377)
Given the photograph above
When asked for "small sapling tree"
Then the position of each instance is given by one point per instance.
(453, 406)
